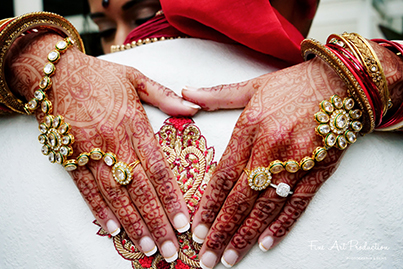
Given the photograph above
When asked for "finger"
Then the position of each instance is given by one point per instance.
(264, 210)
(228, 171)
(236, 207)
(165, 99)
(158, 171)
(147, 203)
(118, 199)
(88, 188)
(236, 212)
(304, 190)
(228, 96)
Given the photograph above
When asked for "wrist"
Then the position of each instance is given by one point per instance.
(26, 60)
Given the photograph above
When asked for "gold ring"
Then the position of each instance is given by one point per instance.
(260, 178)
(122, 172)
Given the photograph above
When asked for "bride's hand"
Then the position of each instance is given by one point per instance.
(100, 102)
(277, 124)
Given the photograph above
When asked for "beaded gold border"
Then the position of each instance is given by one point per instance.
(35, 20)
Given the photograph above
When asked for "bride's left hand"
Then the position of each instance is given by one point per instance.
(277, 124)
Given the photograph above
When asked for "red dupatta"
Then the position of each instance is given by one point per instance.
(255, 24)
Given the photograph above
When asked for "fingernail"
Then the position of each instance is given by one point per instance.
(181, 223)
(148, 246)
(208, 260)
(266, 243)
(229, 258)
(189, 88)
(190, 104)
(200, 233)
(169, 251)
(113, 227)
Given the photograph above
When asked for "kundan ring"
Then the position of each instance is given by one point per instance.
(260, 178)
(122, 172)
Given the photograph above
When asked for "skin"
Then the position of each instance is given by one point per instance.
(100, 102)
(121, 16)
(277, 123)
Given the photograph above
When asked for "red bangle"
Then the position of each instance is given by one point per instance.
(397, 117)
(358, 72)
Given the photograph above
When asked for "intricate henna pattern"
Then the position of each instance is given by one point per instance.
(99, 100)
(280, 117)
(86, 184)
(148, 204)
(276, 124)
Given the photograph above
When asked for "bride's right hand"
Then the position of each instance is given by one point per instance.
(101, 102)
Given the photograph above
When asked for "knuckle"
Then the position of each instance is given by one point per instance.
(112, 192)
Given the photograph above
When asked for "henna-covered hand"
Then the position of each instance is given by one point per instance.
(100, 102)
(277, 124)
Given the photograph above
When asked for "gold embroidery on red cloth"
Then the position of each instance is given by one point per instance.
(192, 163)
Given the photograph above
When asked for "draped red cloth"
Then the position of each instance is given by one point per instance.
(156, 27)
(255, 24)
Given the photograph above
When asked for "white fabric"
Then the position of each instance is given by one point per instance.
(46, 224)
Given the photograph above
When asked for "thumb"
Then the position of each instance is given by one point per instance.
(228, 96)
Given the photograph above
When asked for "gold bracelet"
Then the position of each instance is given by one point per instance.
(55, 136)
(14, 29)
(338, 127)
(369, 59)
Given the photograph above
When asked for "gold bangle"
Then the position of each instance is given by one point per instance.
(369, 59)
(13, 30)
(311, 47)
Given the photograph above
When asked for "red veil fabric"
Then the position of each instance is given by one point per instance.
(255, 24)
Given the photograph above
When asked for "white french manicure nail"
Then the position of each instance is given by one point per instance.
(189, 88)
(266, 243)
(200, 233)
(169, 251)
(112, 227)
(229, 258)
(181, 223)
(148, 246)
(208, 260)
(190, 104)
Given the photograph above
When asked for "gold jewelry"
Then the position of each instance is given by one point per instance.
(46, 82)
(369, 59)
(338, 126)
(311, 47)
(116, 48)
(122, 172)
(260, 178)
(13, 29)
(55, 137)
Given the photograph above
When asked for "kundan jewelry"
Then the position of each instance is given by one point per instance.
(12, 29)
(55, 136)
(338, 126)
(338, 119)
